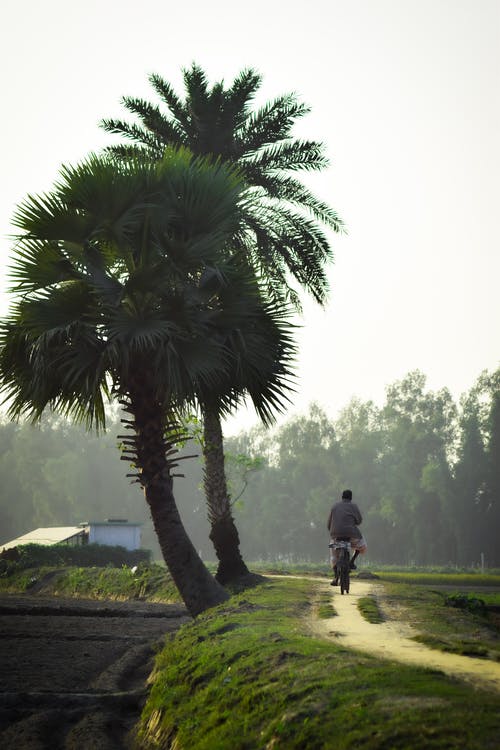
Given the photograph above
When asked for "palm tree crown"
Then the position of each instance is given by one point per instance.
(123, 262)
(286, 224)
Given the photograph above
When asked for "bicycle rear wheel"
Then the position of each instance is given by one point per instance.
(344, 573)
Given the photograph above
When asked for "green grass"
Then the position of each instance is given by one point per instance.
(325, 608)
(457, 646)
(249, 675)
(148, 581)
(440, 579)
(456, 630)
(21, 581)
(370, 610)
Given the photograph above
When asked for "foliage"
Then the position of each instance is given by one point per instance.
(85, 555)
(428, 503)
(286, 243)
(286, 221)
(434, 577)
(465, 601)
(125, 292)
(460, 630)
(424, 502)
(249, 674)
(144, 581)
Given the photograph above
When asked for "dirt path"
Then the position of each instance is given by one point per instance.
(392, 640)
(73, 672)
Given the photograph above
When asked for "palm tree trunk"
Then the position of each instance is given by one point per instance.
(197, 587)
(223, 531)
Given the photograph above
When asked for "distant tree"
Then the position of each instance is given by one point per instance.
(359, 433)
(492, 529)
(468, 485)
(418, 427)
(285, 238)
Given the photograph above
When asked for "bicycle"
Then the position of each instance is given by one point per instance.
(343, 563)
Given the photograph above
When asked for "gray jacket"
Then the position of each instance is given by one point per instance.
(344, 520)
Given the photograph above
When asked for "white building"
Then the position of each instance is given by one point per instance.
(115, 531)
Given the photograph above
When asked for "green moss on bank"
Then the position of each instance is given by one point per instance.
(447, 628)
(249, 674)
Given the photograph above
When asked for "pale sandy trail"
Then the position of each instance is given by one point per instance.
(392, 640)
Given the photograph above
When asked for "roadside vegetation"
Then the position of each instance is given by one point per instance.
(456, 623)
(147, 582)
(250, 674)
(436, 578)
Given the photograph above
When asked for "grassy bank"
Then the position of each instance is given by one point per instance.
(467, 580)
(250, 674)
(467, 630)
(146, 581)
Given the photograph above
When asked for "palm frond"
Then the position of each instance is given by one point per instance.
(176, 106)
(240, 96)
(196, 85)
(134, 133)
(270, 124)
(285, 156)
(291, 190)
(164, 130)
(133, 152)
(39, 264)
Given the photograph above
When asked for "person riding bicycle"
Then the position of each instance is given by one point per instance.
(343, 522)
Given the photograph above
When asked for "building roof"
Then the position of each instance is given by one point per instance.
(113, 522)
(48, 535)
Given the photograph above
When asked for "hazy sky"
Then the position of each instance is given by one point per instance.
(404, 93)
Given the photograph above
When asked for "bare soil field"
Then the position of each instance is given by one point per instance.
(73, 672)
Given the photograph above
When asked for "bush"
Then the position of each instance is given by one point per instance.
(464, 601)
(85, 556)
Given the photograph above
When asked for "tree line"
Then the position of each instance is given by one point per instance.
(424, 470)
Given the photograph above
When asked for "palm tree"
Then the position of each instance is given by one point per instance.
(120, 273)
(218, 121)
(261, 366)
(284, 228)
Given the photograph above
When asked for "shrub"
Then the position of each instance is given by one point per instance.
(463, 601)
(85, 556)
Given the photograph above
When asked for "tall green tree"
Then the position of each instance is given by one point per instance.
(476, 474)
(118, 272)
(468, 480)
(493, 475)
(285, 235)
(418, 427)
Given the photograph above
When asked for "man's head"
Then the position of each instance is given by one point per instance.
(347, 495)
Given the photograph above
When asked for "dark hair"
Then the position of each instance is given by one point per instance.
(347, 495)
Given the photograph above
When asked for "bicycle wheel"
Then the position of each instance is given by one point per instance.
(344, 573)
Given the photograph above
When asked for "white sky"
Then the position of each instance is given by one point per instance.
(404, 93)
